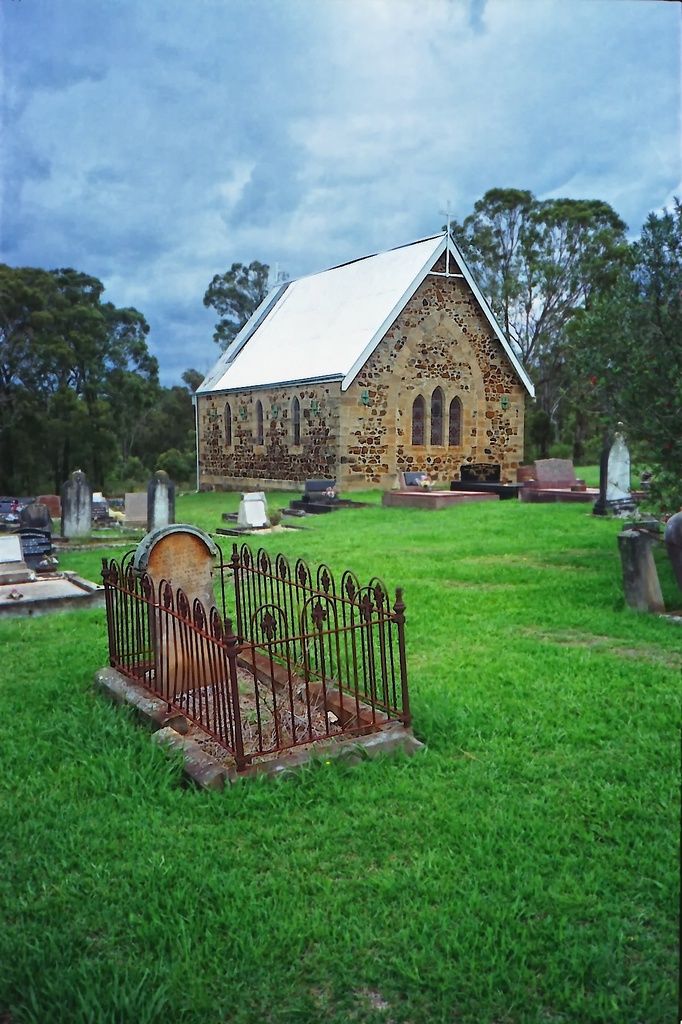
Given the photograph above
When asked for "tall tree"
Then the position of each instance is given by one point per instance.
(235, 295)
(64, 358)
(537, 262)
(628, 348)
(192, 378)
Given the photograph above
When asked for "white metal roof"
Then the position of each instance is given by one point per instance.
(325, 326)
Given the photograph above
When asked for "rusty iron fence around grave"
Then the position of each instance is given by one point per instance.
(288, 659)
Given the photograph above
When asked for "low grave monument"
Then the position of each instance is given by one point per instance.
(555, 480)
(13, 568)
(29, 592)
(415, 491)
(321, 496)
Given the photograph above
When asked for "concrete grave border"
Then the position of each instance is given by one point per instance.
(170, 730)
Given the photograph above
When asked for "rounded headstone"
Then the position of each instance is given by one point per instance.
(77, 506)
(36, 515)
(673, 543)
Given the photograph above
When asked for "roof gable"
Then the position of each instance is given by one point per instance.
(325, 326)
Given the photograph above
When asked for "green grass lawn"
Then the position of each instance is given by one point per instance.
(522, 870)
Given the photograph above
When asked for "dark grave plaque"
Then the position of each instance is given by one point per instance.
(480, 473)
(36, 547)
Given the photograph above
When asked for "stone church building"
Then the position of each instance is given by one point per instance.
(390, 363)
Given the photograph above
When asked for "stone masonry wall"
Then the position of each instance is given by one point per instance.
(277, 462)
(441, 339)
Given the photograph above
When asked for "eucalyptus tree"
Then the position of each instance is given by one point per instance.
(627, 349)
(538, 262)
(235, 295)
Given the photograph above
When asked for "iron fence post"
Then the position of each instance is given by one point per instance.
(235, 564)
(399, 619)
(231, 643)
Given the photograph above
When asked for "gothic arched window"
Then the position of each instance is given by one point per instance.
(228, 423)
(259, 422)
(437, 417)
(455, 423)
(296, 420)
(418, 420)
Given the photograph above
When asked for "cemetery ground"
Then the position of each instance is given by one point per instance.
(523, 869)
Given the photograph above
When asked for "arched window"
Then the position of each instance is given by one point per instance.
(455, 424)
(228, 424)
(296, 420)
(437, 417)
(418, 420)
(259, 422)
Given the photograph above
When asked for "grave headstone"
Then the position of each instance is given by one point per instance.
(672, 536)
(53, 503)
(136, 509)
(160, 501)
(253, 510)
(184, 556)
(76, 507)
(36, 516)
(614, 478)
(13, 568)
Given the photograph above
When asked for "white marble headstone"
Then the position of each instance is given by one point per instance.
(13, 568)
(253, 510)
(618, 472)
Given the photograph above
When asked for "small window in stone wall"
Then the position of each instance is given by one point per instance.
(437, 417)
(418, 411)
(455, 423)
(259, 422)
(296, 420)
(228, 423)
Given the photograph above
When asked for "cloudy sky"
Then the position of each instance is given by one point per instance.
(152, 143)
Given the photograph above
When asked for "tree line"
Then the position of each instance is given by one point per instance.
(595, 318)
(79, 389)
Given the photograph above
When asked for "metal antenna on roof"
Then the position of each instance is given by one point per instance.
(446, 213)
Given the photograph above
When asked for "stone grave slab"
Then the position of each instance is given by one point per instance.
(555, 480)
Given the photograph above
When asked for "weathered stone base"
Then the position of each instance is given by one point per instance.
(172, 731)
(548, 495)
(433, 499)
